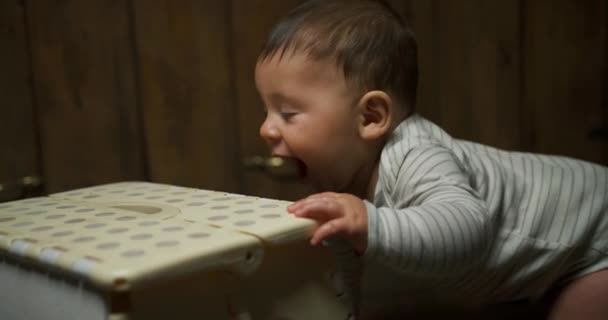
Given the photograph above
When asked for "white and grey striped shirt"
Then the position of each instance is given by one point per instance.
(460, 219)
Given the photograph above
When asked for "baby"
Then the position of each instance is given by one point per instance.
(427, 216)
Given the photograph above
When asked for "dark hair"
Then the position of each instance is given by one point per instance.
(368, 40)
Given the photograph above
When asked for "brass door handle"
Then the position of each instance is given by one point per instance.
(276, 167)
(21, 188)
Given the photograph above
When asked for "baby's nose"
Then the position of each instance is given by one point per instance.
(269, 133)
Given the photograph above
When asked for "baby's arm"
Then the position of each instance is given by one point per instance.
(436, 223)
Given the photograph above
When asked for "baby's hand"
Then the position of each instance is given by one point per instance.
(338, 214)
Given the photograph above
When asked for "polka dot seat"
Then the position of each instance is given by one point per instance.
(119, 233)
(176, 244)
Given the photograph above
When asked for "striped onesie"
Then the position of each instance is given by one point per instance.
(461, 221)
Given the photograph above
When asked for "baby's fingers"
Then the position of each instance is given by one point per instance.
(320, 210)
(327, 230)
(326, 196)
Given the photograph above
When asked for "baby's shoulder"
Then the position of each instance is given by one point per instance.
(416, 131)
(410, 144)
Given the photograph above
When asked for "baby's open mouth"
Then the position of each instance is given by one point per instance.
(287, 167)
(279, 166)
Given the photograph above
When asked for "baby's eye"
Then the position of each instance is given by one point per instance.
(287, 115)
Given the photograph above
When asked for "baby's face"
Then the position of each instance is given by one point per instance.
(312, 116)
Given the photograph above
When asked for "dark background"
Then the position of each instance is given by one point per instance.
(99, 91)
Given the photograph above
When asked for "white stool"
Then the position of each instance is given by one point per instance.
(137, 250)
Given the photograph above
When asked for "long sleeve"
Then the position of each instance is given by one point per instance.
(454, 218)
(434, 223)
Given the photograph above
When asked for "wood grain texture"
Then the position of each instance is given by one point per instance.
(164, 90)
(185, 71)
(422, 16)
(253, 21)
(470, 68)
(18, 145)
(85, 90)
(565, 63)
(496, 75)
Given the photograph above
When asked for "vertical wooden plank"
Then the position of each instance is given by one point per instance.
(455, 24)
(253, 21)
(565, 62)
(496, 75)
(422, 15)
(477, 70)
(85, 92)
(19, 153)
(184, 55)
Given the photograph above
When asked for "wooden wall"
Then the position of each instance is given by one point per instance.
(107, 90)
(18, 132)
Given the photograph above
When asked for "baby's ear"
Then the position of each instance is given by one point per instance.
(376, 112)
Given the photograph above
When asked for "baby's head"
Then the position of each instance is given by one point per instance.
(366, 40)
(336, 77)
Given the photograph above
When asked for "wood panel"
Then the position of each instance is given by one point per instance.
(565, 63)
(19, 155)
(85, 92)
(184, 53)
(253, 21)
(164, 90)
(470, 69)
(421, 15)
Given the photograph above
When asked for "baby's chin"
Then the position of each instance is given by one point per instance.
(319, 182)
